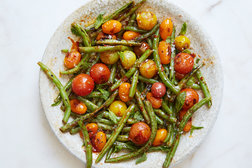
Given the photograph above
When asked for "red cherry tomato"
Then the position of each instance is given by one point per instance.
(83, 85)
(139, 133)
(191, 98)
(100, 73)
(183, 63)
(158, 89)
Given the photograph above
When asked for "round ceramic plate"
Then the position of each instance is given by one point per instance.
(200, 44)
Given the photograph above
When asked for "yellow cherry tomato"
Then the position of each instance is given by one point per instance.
(148, 69)
(118, 107)
(146, 20)
(127, 58)
(109, 57)
(182, 42)
(160, 137)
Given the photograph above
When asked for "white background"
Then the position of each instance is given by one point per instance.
(26, 139)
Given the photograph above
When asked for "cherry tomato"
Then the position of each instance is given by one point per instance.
(92, 129)
(102, 36)
(183, 63)
(128, 59)
(158, 89)
(78, 107)
(100, 73)
(192, 98)
(179, 76)
(139, 133)
(160, 137)
(166, 28)
(139, 50)
(82, 85)
(111, 27)
(124, 92)
(164, 51)
(146, 20)
(188, 125)
(130, 35)
(99, 141)
(182, 42)
(118, 107)
(148, 68)
(155, 102)
(109, 57)
(73, 57)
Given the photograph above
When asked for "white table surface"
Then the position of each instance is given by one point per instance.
(26, 138)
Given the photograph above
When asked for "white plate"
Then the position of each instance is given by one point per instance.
(200, 43)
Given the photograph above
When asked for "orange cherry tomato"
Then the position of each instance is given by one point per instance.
(139, 133)
(155, 102)
(183, 63)
(164, 51)
(146, 20)
(124, 92)
(111, 27)
(160, 137)
(102, 36)
(73, 57)
(188, 125)
(166, 28)
(130, 35)
(192, 98)
(92, 129)
(78, 107)
(99, 141)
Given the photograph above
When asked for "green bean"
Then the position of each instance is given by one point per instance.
(126, 129)
(105, 127)
(132, 121)
(204, 87)
(112, 74)
(190, 112)
(132, 70)
(159, 148)
(166, 69)
(121, 70)
(183, 29)
(135, 29)
(143, 79)
(131, 11)
(159, 120)
(147, 145)
(99, 103)
(94, 94)
(149, 33)
(171, 153)
(171, 140)
(113, 15)
(141, 106)
(172, 72)
(149, 41)
(75, 130)
(64, 50)
(58, 84)
(90, 106)
(103, 48)
(79, 31)
(123, 145)
(118, 42)
(113, 117)
(116, 132)
(110, 152)
(191, 83)
(121, 138)
(183, 81)
(89, 115)
(103, 121)
(166, 108)
(161, 114)
(133, 86)
(169, 133)
(161, 73)
(67, 86)
(87, 144)
(132, 19)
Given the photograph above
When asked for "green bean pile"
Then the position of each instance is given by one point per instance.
(132, 86)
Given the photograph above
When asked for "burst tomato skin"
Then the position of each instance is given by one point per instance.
(82, 85)
(100, 73)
